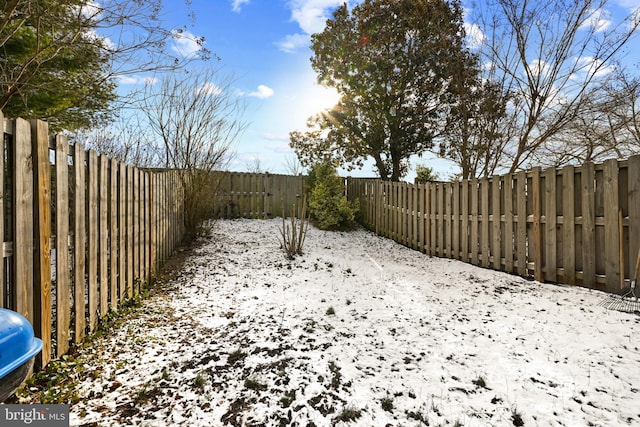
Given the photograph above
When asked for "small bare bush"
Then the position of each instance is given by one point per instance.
(293, 233)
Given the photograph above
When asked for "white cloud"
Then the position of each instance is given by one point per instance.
(237, 5)
(293, 42)
(594, 66)
(262, 92)
(475, 35)
(539, 68)
(137, 80)
(311, 16)
(599, 20)
(185, 44)
(270, 136)
(210, 89)
(91, 10)
(632, 5)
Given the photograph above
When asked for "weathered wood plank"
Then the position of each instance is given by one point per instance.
(154, 221)
(475, 210)
(42, 320)
(135, 230)
(416, 216)
(79, 241)
(440, 219)
(433, 243)
(484, 226)
(611, 231)
(130, 227)
(496, 224)
(456, 221)
(536, 244)
(521, 227)
(634, 209)
(3, 302)
(464, 223)
(448, 212)
(421, 205)
(568, 225)
(113, 235)
(93, 178)
(147, 227)
(63, 277)
(551, 217)
(139, 229)
(509, 238)
(122, 233)
(587, 178)
(103, 236)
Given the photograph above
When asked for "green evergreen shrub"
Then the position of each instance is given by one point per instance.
(425, 174)
(328, 204)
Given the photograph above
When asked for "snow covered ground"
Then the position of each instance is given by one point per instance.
(360, 331)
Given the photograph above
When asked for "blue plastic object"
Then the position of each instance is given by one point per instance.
(17, 342)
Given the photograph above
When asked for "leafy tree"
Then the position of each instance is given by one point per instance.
(391, 61)
(61, 59)
(52, 68)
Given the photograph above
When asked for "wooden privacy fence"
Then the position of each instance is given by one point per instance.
(80, 232)
(575, 225)
(257, 195)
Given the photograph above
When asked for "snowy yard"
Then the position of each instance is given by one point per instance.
(361, 331)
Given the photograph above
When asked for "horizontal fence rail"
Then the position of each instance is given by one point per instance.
(574, 225)
(81, 232)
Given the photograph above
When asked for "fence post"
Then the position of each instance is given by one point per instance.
(41, 234)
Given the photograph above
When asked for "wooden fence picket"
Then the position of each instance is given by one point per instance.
(63, 277)
(2, 214)
(103, 234)
(93, 178)
(40, 296)
(79, 242)
(558, 225)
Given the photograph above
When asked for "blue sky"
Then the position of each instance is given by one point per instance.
(265, 45)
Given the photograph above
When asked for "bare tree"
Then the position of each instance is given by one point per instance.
(293, 166)
(126, 140)
(254, 165)
(197, 119)
(609, 126)
(549, 55)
